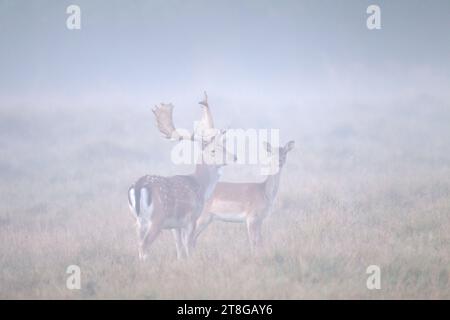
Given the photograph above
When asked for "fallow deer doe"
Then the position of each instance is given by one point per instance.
(245, 202)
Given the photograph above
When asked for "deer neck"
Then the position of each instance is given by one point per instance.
(207, 177)
(272, 183)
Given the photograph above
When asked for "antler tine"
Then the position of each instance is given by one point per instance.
(207, 120)
(205, 100)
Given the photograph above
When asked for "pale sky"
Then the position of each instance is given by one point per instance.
(156, 50)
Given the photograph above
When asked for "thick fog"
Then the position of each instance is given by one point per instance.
(369, 111)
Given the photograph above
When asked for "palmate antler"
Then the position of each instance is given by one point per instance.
(164, 120)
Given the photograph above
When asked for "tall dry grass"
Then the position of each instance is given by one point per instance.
(365, 185)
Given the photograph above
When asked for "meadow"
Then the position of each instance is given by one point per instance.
(368, 184)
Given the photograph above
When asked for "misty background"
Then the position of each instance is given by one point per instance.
(369, 111)
(258, 51)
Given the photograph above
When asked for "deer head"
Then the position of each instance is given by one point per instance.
(279, 153)
(211, 140)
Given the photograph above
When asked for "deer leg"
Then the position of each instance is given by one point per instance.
(258, 237)
(254, 233)
(187, 238)
(142, 230)
(204, 221)
(142, 255)
(150, 236)
(178, 243)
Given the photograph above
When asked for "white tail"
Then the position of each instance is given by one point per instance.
(176, 202)
(245, 202)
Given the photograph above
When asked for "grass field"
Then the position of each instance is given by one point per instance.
(366, 185)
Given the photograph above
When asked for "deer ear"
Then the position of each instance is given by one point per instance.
(268, 147)
(206, 142)
(223, 135)
(289, 146)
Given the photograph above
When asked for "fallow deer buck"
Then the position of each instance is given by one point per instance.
(176, 202)
(246, 202)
